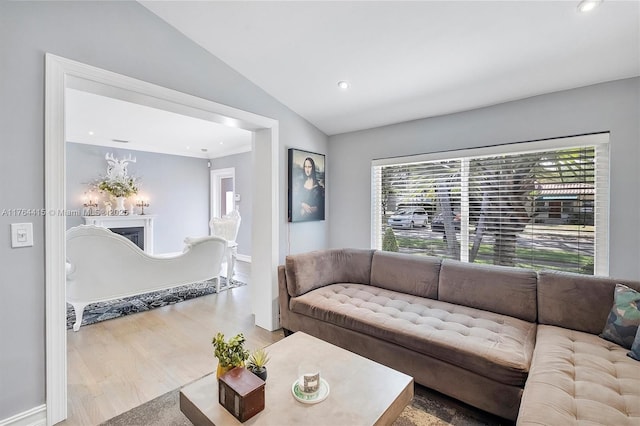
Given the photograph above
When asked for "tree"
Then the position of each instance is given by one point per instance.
(443, 192)
(506, 184)
(508, 188)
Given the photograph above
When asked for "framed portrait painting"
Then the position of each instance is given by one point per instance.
(306, 186)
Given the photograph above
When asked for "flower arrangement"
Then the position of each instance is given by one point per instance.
(232, 353)
(118, 186)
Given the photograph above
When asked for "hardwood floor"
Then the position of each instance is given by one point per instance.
(119, 364)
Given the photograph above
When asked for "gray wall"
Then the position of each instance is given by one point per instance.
(613, 107)
(244, 175)
(177, 187)
(126, 38)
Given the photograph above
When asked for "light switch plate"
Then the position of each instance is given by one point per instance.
(21, 234)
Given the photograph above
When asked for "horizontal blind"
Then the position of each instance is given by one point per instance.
(540, 209)
(418, 185)
(534, 210)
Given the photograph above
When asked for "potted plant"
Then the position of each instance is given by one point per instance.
(230, 353)
(257, 363)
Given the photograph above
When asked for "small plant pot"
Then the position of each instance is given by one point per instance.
(260, 372)
(221, 370)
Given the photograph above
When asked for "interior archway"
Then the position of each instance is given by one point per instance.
(60, 73)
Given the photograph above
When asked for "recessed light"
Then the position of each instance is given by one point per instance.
(588, 5)
(90, 133)
(221, 143)
(343, 84)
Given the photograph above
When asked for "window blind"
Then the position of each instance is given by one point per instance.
(540, 205)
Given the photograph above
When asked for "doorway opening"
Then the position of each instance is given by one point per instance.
(60, 74)
(222, 191)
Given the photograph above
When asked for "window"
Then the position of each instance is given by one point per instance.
(539, 205)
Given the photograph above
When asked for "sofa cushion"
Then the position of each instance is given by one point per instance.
(579, 378)
(489, 344)
(416, 275)
(624, 318)
(578, 302)
(635, 347)
(499, 289)
(319, 268)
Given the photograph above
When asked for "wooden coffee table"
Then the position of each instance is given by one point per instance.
(362, 392)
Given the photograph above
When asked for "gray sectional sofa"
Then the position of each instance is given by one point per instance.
(513, 342)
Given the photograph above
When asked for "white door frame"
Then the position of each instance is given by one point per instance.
(61, 73)
(216, 178)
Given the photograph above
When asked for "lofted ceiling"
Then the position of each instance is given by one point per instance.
(407, 60)
(404, 60)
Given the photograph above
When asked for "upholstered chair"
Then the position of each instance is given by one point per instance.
(227, 227)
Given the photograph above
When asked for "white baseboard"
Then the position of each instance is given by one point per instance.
(244, 258)
(37, 416)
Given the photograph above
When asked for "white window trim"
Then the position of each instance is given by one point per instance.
(599, 140)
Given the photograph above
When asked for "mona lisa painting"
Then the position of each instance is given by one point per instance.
(306, 186)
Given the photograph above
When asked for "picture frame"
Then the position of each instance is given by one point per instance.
(306, 186)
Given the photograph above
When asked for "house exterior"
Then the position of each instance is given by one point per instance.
(565, 203)
(126, 38)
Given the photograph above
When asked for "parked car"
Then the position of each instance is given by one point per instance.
(437, 224)
(408, 218)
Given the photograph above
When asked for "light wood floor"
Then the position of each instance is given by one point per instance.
(119, 364)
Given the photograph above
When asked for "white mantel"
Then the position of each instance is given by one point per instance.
(127, 221)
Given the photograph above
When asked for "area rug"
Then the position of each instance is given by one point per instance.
(428, 408)
(103, 311)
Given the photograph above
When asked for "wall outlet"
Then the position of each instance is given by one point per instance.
(21, 234)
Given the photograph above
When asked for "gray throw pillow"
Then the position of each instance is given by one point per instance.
(624, 318)
(635, 347)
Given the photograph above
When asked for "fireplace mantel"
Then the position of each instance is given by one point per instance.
(128, 221)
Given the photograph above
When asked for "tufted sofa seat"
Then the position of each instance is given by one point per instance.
(517, 343)
(579, 378)
(488, 344)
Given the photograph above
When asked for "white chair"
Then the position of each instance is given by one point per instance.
(227, 227)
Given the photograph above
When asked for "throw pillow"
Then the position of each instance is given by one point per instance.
(624, 318)
(635, 347)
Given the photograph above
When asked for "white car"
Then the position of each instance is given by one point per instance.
(408, 218)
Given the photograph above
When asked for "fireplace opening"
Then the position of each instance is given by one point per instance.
(135, 234)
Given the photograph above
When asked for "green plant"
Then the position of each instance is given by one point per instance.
(389, 242)
(231, 353)
(258, 359)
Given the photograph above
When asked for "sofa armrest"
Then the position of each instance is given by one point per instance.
(283, 298)
(308, 271)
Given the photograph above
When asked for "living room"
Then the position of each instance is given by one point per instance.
(126, 38)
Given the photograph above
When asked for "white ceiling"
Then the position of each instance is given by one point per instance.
(97, 120)
(409, 60)
(404, 60)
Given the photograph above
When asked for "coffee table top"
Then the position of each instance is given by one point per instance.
(362, 392)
